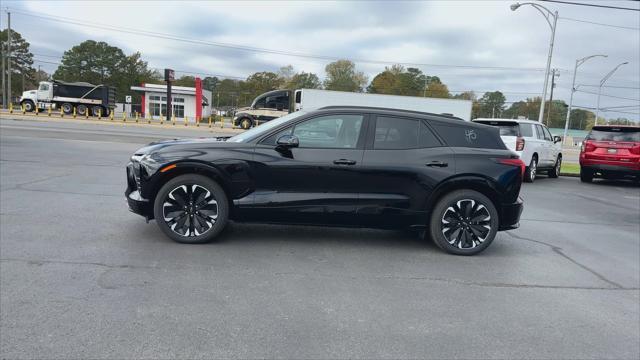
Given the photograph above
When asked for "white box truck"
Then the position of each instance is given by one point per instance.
(274, 104)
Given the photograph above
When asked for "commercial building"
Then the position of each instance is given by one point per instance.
(189, 102)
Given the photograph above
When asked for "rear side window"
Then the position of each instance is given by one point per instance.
(615, 134)
(427, 138)
(539, 132)
(526, 130)
(396, 133)
(469, 136)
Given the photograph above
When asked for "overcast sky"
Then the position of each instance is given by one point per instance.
(432, 33)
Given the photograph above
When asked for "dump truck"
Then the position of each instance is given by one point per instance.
(276, 103)
(85, 98)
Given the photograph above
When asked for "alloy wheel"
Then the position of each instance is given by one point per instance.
(466, 224)
(190, 210)
(533, 169)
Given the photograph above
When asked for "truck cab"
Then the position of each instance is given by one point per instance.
(31, 98)
(268, 106)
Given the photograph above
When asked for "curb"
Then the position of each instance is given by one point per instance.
(569, 174)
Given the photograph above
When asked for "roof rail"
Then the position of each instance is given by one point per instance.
(388, 109)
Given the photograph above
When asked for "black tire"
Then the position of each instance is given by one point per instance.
(183, 206)
(532, 170)
(468, 235)
(28, 106)
(586, 175)
(67, 108)
(95, 110)
(555, 172)
(106, 112)
(245, 123)
(82, 110)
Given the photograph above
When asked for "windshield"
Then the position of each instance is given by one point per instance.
(506, 128)
(615, 134)
(264, 128)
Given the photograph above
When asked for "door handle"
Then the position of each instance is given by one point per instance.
(437, 164)
(344, 162)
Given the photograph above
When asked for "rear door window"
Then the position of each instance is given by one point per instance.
(539, 132)
(547, 134)
(507, 128)
(615, 134)
(396, 133)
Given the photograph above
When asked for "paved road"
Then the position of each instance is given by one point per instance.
(83, 277)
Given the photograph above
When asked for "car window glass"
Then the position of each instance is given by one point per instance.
(396, 133)
(330, 132)
(459, 135)
(427, 138)
(526, 130)
(615, 134)
(260, 103)
(547, 134)
(539, 133)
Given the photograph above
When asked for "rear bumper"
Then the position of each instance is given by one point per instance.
(633, 170)
(510, 215)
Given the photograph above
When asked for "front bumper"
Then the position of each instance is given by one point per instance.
(137, 204)
(510, 215)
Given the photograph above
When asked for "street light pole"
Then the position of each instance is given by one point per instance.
(573, 90)
(604, 79)
(552, 24)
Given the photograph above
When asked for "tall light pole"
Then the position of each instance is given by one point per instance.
(548, 15)
(573, 90)
(604, 79)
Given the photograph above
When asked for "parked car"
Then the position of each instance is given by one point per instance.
(610, 151)
(342, 166)
(534, 144)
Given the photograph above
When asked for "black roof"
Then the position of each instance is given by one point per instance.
(389, 111)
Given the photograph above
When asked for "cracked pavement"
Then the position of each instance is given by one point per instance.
(81, 277)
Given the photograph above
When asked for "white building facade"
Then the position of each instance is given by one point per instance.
(184, 101)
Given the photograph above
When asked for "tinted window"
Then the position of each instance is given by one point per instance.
(467, 136)
(396, 133)
(615, 134)
(506, 128)
(331, 131)
(260, 103)
(526, 130)
(278, 101)
(271, 140)
(427, 138)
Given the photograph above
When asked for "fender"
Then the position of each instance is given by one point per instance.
(485, 185)
(243, 115)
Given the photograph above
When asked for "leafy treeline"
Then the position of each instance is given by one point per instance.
(99, 62)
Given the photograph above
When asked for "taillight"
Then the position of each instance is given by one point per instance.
(513, 162)
(587, 146)
(519, 144)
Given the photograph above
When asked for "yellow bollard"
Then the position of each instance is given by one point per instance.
(74, 112)
(124, 116)
(209, 120)
(49, 111)
(86, 114)
(173, 119)
(161, 121)
(111, 115)
(136, 116)
(100, 114)
(185, 120)
(146, 115)
(10, 108)
(197, 122)
(221, 122)
(23, 110)
(36, 109)
(61, 113)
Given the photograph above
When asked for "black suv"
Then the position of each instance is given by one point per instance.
(341, 166)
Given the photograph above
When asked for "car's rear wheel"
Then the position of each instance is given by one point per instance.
(82, 110)
(463, 222)
(67, 108)
(555, 172)
(586, 175)
(191, 209)
(532, 170)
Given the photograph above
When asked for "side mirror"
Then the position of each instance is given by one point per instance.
(557, 139)
(288, 141)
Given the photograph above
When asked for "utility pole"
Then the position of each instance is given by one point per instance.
(553, 85)
(4, 75)
(9, 56)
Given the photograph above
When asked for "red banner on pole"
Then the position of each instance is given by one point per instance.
(198, 99)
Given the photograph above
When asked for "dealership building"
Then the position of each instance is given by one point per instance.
(189, 102)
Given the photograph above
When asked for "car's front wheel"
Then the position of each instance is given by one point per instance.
(463, 222)
(245, 123)
(191, 209)
(28, 106)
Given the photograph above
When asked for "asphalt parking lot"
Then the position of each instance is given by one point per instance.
(82, 277)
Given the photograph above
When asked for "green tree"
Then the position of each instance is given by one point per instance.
(491, 104)
(21, 63)
(303, 80)
(396, 80)
(436, 89)
(341, 75)
(100, 63)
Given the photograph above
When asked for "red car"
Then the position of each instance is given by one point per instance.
(610, 151)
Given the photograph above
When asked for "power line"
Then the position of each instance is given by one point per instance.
(593, 5)
(256, 49)
(597, 23)
(607, 95)
(613, 86)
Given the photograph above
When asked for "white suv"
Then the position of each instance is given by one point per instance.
(533, 142)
